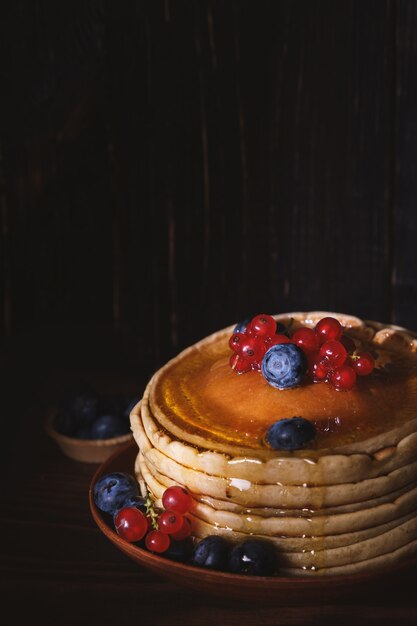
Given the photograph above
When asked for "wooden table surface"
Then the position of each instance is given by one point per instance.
(59, 569)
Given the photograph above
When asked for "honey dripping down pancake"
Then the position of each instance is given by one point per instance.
(349, 491)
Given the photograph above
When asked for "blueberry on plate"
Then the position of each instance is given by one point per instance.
(180, 551)
(106, 426)
(284, 365)
(290, 433)
(252, 558)
(133, 500)
(112, 490)
(211, 553)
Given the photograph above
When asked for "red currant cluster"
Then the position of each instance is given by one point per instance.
(157, 527)
(250, 345)
(331, 354)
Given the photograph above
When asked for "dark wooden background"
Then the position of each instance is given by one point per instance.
(169, 167)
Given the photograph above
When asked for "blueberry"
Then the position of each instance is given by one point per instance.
(113, 490)
(180, 551)
(284, 365)
(252, 557)
(241, 326)
(211, 553)
(83, 404)
(134, 500)
(77, 410)
(290, 433)
(106, 426)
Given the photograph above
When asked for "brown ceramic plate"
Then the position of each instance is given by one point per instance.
(273, 590)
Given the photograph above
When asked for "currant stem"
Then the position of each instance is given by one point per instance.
(151, 512)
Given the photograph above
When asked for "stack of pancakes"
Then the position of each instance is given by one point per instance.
(346, 503)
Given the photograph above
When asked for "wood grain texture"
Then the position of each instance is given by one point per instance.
(176, 166)
(169, 167)
(404, 223)
(272, 185)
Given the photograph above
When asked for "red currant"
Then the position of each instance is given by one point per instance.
(177, 499)
(306, 339)
(343, 378)
(235, 342)
(170, 522)
(362, 362)
(275, 339)
(316, 370)
(249, 332)
(332, 354)
(185, 530)
(328, 329)
(156, 541)
(131, 524)
(253, 348)
(263, 325)
(240, 364)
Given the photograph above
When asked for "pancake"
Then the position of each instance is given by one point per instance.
(295, 523)
(346, 502)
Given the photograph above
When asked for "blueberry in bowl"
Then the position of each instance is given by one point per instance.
(107, 426)
(90, 426)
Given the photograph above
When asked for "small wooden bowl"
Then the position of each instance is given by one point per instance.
(86, 450)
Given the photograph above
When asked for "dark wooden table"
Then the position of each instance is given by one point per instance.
(59, 569)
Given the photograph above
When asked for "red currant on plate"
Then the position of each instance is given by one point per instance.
(157, 541)
(328, 329)
(185, 530)
(131, 524)
(170, 522)
(177, 499)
